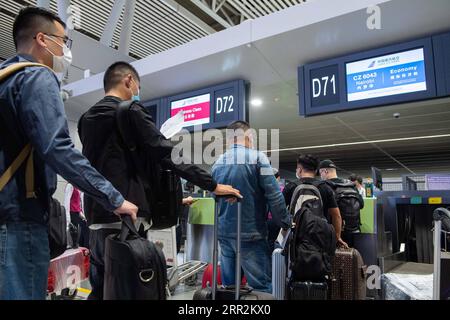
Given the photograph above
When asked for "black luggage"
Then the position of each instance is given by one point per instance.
(307, 291)
(135, 268)
(229, 293)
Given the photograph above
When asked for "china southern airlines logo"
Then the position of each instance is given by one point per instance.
(372, 64)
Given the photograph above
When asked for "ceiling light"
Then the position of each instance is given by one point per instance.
(256, 102)
(325, 146)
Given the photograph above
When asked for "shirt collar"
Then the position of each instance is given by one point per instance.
(26, 57)
(113, 98)
(235, 146)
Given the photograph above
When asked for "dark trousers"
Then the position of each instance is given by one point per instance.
(349, 238)
(97, 240)
(81, 225)
(272, 234)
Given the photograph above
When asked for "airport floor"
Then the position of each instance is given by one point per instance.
(182, 291)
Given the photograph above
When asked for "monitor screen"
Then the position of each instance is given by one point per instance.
(196, 109)
(388, 75)
(377, 178)
(437, 181)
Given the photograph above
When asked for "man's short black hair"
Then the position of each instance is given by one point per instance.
(116, 72)
(32, 20)
(236, 125)
(354, 178)
(308, 162)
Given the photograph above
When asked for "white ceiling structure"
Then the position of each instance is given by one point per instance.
(157, 25)
(266, 51)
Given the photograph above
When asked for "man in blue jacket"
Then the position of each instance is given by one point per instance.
(249, 171)
(32, 110)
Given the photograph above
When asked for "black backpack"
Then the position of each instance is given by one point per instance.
(164, 190)
(349, 202)
(313, 239)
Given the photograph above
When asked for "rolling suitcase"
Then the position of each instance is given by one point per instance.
(67, 272)
(208, 274)
(348, 277)
(229, 293)
(135, 268)
(279, 267)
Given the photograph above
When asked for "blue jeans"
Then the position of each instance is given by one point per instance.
(255, 261)
(24, 261)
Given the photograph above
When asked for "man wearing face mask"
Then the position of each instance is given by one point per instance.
(104, 148)
(32, 112)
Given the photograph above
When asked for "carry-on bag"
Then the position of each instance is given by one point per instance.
(135, 268)
(348, 277)
(279, 274)
(229, 293)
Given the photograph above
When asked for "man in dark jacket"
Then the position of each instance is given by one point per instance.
(103, 147)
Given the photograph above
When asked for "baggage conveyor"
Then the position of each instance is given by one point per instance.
(404, 280)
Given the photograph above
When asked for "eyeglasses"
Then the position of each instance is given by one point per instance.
(67, 41)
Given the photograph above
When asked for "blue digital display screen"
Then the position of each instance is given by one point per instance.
(388, 75)
(405, 72)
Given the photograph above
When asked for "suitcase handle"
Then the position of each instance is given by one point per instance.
(215, 245)
(127, 227)
(229, 196)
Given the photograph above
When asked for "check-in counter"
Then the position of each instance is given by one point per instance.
(366, 241)
(200, 229)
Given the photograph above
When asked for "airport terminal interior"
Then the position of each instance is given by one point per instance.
(362, 83)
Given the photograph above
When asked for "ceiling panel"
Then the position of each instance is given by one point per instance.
(156, 27)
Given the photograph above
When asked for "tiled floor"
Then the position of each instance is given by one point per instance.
(183, 292)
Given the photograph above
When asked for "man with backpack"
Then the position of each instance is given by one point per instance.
(109, 151)
(317, 223)
(35, 146)
(348, 199)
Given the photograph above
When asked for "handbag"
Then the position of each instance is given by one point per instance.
(135, 268)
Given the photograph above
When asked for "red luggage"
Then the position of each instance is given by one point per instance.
(67, 271)
(208, 274)
(348, 277)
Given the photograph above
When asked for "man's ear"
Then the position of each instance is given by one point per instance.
(40, 39)
(127, 82)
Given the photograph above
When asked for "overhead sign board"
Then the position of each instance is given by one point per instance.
(411, 71)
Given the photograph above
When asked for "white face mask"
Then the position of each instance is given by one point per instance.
(61, 63)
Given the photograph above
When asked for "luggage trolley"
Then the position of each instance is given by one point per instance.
(176, 274)
(186, 273)
(441, 278)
